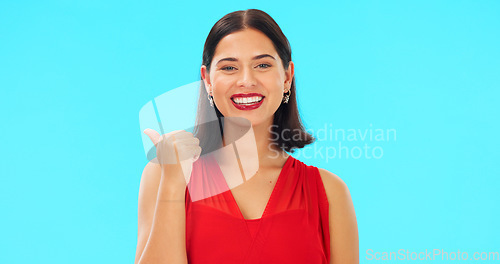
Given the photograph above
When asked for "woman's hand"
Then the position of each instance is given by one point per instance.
(175, 152)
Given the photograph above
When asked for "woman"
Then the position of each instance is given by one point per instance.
(286, 212)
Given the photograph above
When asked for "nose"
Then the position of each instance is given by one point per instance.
(246, 78)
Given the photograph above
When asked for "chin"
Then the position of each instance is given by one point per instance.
(257, 122)
(245, 120)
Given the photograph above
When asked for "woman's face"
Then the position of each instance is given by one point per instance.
(247, 78)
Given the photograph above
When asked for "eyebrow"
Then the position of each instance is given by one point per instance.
(254, 58)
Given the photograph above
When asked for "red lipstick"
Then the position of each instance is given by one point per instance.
(247, 106)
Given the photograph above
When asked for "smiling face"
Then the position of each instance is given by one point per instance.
(247, 78)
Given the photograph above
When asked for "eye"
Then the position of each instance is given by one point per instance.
(264, 65)
(228, 68)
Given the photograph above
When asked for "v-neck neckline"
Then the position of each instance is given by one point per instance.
(268, 204)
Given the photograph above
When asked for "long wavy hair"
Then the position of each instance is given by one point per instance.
(287, 122)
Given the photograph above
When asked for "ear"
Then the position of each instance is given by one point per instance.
(289, 76)
(205, 75)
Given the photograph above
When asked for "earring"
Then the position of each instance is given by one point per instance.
(287, 96)
(211, 100)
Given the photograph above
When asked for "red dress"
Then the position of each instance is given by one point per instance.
(293, 228)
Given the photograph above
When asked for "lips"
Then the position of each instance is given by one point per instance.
(248, 101)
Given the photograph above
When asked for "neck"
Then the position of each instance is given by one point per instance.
(254, 142)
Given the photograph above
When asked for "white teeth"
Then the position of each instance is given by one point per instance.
(247, 100)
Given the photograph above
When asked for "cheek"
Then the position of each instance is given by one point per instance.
(274, 79)
(221, 85)
(275, 85)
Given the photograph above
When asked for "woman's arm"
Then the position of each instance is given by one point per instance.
(161, 217)
(344, 243)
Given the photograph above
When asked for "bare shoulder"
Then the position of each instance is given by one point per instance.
(152, 169)
(148, 191)
(150, 178)
(342, 220)
(335, 187)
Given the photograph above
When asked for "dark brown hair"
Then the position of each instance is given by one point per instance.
(287, 123)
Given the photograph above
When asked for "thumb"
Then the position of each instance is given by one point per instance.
(152, 134)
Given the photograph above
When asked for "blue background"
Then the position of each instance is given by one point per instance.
(74, 75)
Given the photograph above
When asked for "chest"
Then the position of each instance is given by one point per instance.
(252, 197)
(273, 217)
